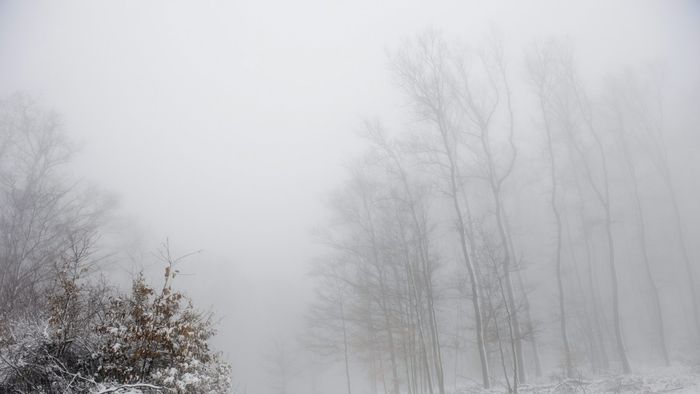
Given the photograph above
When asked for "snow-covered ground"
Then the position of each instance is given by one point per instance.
(676, 380)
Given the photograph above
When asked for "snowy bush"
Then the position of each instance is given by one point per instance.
(159, 337)
(146, 341)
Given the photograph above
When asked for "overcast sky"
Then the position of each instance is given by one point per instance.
(223, 124)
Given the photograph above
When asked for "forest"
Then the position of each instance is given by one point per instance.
(526, 221)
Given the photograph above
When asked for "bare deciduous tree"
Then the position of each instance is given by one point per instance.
(45, 216)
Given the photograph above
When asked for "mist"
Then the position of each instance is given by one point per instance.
(388, 197)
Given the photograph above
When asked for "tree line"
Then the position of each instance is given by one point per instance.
(524, 221)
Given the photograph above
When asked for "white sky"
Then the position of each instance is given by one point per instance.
(222, 124)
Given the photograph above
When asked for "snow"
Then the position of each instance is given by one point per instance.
(676, 380)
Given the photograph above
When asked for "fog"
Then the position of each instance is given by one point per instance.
(240, 129)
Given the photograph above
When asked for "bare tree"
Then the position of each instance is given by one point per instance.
(419, 274)
(327, 317)
(422, 70)
(645, 104)
(576, 101)
(45, 217)
(542, 74)
(621, 118)
(497, 162)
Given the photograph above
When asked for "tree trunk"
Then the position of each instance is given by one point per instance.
(568, 365)
(345, 348)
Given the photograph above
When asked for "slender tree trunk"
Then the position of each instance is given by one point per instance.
(687, 264)
(530, 326)
(560, 289)
(391, 343)
(406, 344)
(501, 353)
(382, 301)
(474, 282)
(604, 199)
(476, 302)
(526, 305)
(345, 348)
(417, 308)
(595, 301)
(507, 268)
(422, 242)
(511, 333)
(568, 364)
(373, 356)
(622, 353)
(659, 156)
(495, 185)
(592, 343)
(593, 290)
(642, 234)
